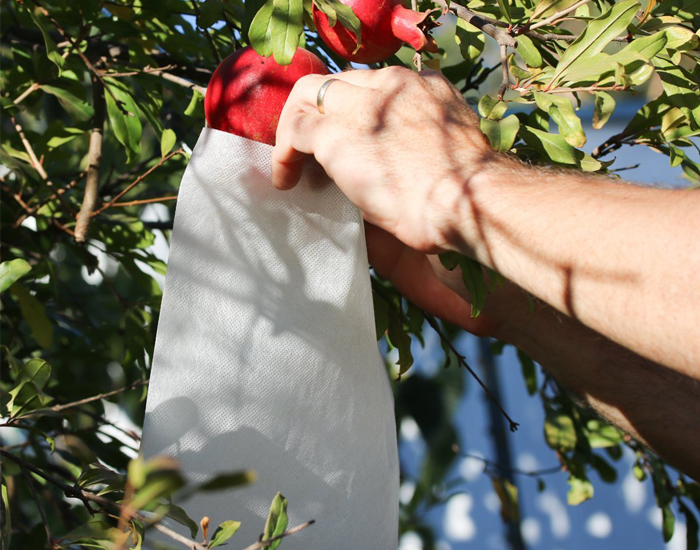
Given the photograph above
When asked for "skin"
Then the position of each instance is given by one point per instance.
(614, 267)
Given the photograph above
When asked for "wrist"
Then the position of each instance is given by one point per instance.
(472, 206)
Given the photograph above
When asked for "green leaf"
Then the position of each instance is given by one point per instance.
(504, 6)
(603, 109)
(179, 515)
(210, 12)
(225, 531)
(51, 49)
(227, 480)
(546, 8)
(336, 11)
(470, 39)
(490, 107)
(167, 141)
(639, 472)
(559, 431)
(556, 149)
(68, 93)
(6, 526)
(195, 107)
(602, 435)
(259, 33)
(27, 395)
(35, 315)
(381, 315)
(473, 277)
(529, 372)
(12, 271)
(123, 120)
(501, 133)
(401, 340)
(580, 490)
(598, 34)
(449, 260)
(529, 52)
(508, 495)
(286, 27)
(562, 112)
(668, 522)
(276, 520)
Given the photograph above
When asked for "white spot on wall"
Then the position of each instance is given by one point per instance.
(559, 523)
(471, 468)
(599, 525)
(409, 430)
(410, 541)
(531, 531)
(458, 523)
(634, 493)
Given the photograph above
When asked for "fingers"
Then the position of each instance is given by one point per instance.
(301, 126)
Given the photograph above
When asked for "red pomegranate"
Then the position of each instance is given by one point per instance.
(385, 26)
(246, 93)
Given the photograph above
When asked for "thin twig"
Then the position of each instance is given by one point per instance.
(34, 161)
(417, 58)
(507, 469)
(161, 72)
(484, 24)
(145, 201)
(268, 542)
(555, 18)
(58, 408)
(462, 361)
(30, 211)
(506, 74)
(92, 181)
(35, 86)
(137, 181)
(35, 496)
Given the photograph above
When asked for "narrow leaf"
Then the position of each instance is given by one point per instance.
(225, 531)
(286, 27)
(51, 49)
(259, 32)
(11, 271)
(603, 109)
(167, 141)
(276, 520)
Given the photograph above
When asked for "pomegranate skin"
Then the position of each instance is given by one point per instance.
(385, 26)
(247, 92)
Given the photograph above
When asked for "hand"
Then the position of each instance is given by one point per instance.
(400, 145)
(422, 280)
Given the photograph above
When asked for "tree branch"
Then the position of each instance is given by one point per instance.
(145, 201)
(137, 181)
(33, 160)
(506, 74)
(92, 181)
(485, 25)
(268, 542)
(462, 361)
(58, 408)
(42, 514)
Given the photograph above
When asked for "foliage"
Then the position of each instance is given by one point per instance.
(79, 280)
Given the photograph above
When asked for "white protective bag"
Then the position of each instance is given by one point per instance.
(266, 356)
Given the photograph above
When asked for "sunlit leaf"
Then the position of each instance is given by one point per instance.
(11, 271)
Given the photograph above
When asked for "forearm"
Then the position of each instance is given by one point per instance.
(622, 259)
(654, 404)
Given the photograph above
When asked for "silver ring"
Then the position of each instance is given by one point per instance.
(322, 93)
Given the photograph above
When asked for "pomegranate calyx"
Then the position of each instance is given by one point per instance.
(413, 27)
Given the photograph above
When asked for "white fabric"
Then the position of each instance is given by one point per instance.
(266, 356)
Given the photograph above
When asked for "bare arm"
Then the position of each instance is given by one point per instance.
(616, 266)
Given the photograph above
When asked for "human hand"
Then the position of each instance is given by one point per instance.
(422, 280)
(400, 145)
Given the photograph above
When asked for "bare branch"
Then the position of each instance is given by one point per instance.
(268, 542)
(485, 25)
(94, 160)
(137, 181)
(462, 361)
(34, 161)
(506, 74)
(145, 201)
(58, 408)
(35, 496)
(35, 86)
